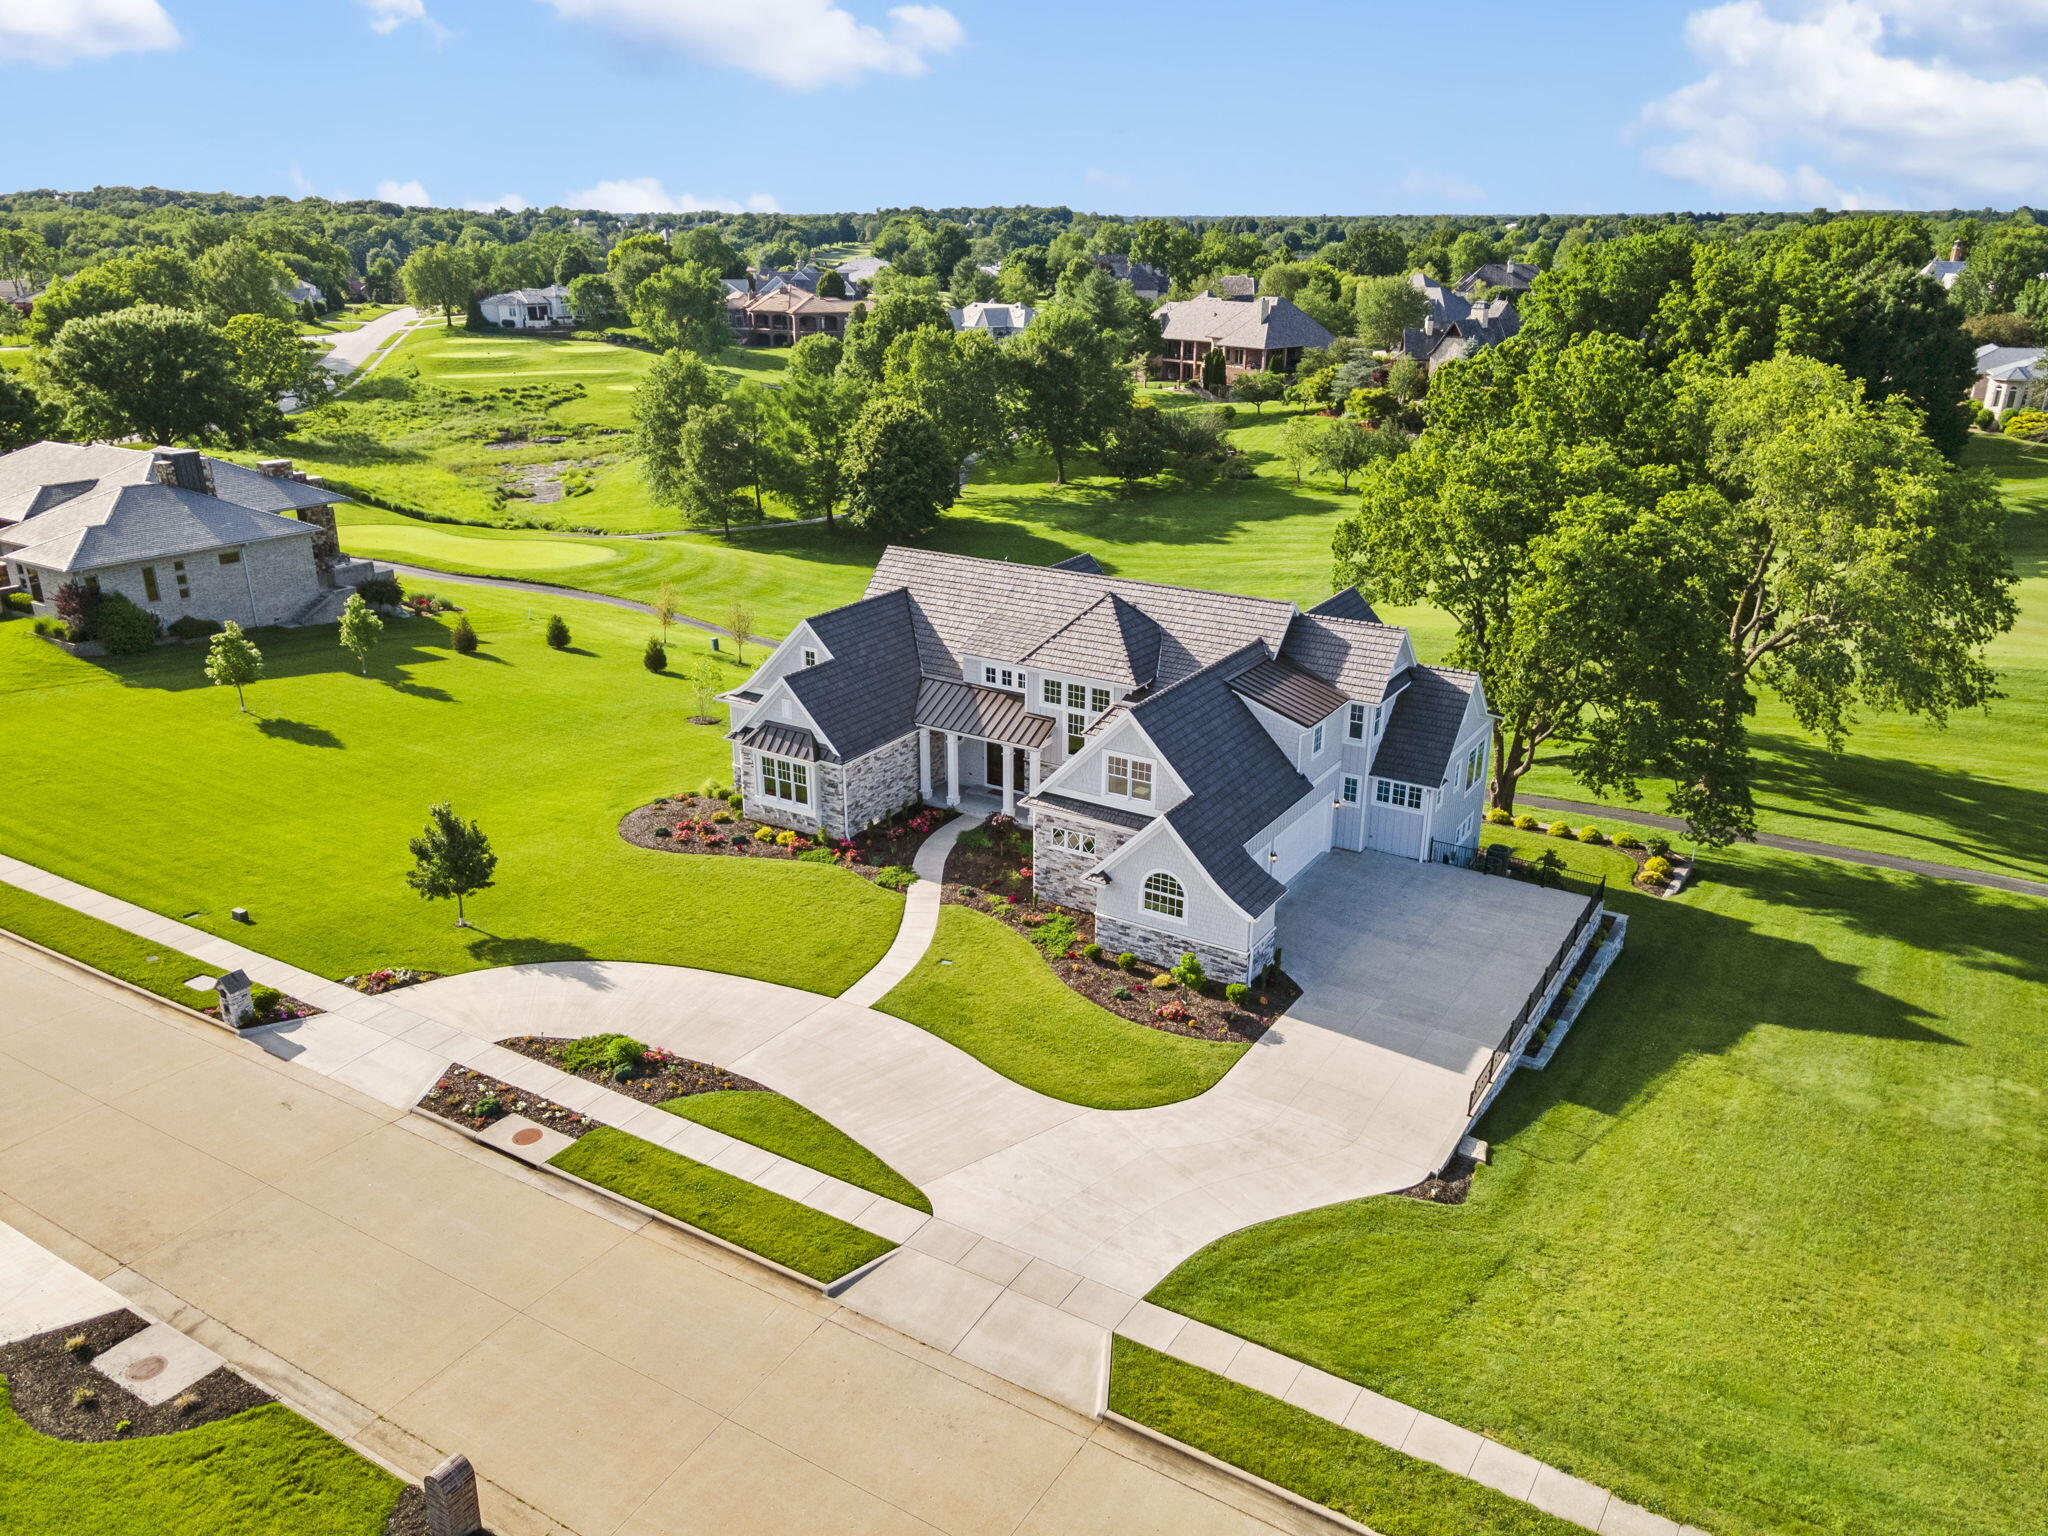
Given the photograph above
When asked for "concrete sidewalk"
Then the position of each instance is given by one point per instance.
(419, 1296)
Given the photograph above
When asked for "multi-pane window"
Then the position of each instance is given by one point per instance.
(1350, 790)
(1358, 722)
(1128, 777)
(1317, 744)
(1077, 696)
(1001, 677)
(1077, 729)
(1408, 796)
(1068, 837)
(1098, 699)
(1052, 691)
(810, 657)
(1473, 762)
(1164, 896)
(784, 779)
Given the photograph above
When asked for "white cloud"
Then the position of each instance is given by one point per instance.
(800, 44)
(1850, 103)
(1441, 190)
(59, 32)
(387, 16)
(511, 202)
(410, 193)
(646, 194)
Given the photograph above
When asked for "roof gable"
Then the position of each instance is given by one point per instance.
(1425, 726)
(1358, 657)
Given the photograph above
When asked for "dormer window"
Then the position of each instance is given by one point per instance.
(1127, 778)
(1002, 677)
(810, 657)
(1357, 729)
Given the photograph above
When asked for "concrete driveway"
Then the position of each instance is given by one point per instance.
(420, 1296)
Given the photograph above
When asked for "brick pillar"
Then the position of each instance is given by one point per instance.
(451, 1499)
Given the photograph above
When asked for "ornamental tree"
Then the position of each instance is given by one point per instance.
(360, 630)
(232, 661)
(451, 858)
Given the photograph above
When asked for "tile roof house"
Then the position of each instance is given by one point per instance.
(1455, 325)
(1180, 755)
(999, 320)
(1260, 333)
(860, 269)
(529, 309)
(785, 314)
(176, 531)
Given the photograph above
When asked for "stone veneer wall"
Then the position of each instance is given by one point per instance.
(1056, 873)
(1221, 965)
(878, 785)
(747, 775)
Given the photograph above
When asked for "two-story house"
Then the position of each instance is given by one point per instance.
(1180, 755)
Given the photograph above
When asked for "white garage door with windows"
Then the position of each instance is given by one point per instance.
(1393, 818)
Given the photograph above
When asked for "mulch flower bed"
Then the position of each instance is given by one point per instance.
(1450, 1187)
(475, 1100)
(662, 1075)
(710, 824)
(1681, 864)
(279, 1012)
(992, 874)
(389, 979)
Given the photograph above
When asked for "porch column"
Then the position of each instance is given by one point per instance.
(924, 763)
(1009, 781)
(952, 769)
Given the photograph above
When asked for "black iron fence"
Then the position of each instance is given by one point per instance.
(1524, 1016)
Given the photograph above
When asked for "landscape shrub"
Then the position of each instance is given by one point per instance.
(663, 832)
(655, 657)
(1657, 868)
(787, 839)
(1127, 961)
(43, 627)
(817, 856)
(191, 627)
(1658, 845)
(973, 837)
(558, 632)
(764, 834)
(895, 877)
(381, 590)
(1235, 994)
(1627, 840)
(1055, 936)
(123, 628)
(1122, 994)
(1525, 822)
(711, 789)
(76, 605)
(263, 999)
(1163, 981)
(721, 817)
(1189, 972)
(1496, 817)
(615, 1055)
(736, 800)
(1091, 951)
(1591, 835)
(2029, 426)
(463, 636)
(1559, 829)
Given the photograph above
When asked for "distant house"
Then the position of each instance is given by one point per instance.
(1235, 285)
(1266, 334)
(1145, 279)
(1946, 272)
(303, 292)
(178, 532)
(2010, 379)
(860, 269)
(806, 277)
(529, 309)
(999, 320)
(19, 292)
(1455, 326)
(784, 316)
(1514, 275)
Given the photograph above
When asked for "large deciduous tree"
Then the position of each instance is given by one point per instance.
(898, 474)
(873, 332)
(1385, 307)
(1072, 385)
(239, 277)
(819, 406)
(25, 417)
(438, 277)
(957, 380)
(678, 385)
(274, 359)
(156, 276)
(714, 466)
(681, 307)
(155, 373)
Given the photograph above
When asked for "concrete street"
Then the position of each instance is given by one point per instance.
(420, 1296)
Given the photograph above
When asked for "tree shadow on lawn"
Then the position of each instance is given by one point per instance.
(299, 731)
(494, 950)
(1692, 982)
(287, 653)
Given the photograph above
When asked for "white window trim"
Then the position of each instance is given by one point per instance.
(1355, 723)
(810, 657)
(1353, 792)
(800, 774)
(1180, 894)
(1130, 778)
(1316, 741)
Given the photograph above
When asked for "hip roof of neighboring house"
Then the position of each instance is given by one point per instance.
(554, 293)
(1498, 274)
(860, 269)
(121, 524)
(1265, 324)
(1991, 358)
(38, 483)
(986, 315)
(790, 300)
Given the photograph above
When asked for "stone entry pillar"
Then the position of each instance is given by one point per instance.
(952, 769)
(924, 764)
(452, 1508)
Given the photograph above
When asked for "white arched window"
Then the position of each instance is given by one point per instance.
(1164, 896)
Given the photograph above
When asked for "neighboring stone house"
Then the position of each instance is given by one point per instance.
(785, 316)
(529, 309)
(178, 532)
(1146, 280)
(1180, 755)
(1515, 276)
(2010, 379)
(1262, 333)
(1455, 326)
(999, 320)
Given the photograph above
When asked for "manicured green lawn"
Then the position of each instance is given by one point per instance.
(746, 1215)
(266, 1472)
(353, 318)
(103, 946)
(136, 778)
(1761, 1249)
(1395, 1495)
(784, 1127)
(982, 987)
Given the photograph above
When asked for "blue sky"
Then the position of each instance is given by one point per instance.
(1136, 106)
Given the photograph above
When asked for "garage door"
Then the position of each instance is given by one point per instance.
(1393, 819)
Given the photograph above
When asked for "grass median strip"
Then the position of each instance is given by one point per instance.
(783, 1126)
(266, 1472)
(746, 1215)
(1396, 1495)
(104, 947)
(984, 988)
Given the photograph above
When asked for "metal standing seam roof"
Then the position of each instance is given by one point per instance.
(1290, 691)
(972, 710)
(1422, 730)
(1109, 815)
(779, 740)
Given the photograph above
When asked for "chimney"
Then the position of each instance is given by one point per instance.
(276, 469)
(1266, 303)
(185, 468)
(318, 482)
(1955, 252)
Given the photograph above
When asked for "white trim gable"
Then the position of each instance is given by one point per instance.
(1162, 830)
(785, 658)
(1082, 776)
(780, 706)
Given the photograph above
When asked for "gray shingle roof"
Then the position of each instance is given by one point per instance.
(1003, 610)
(1235, 285)
(1110, 815)
(27, 473)
(972, 710)
(1499, 274)
(1346, 603)
(1356, 656)
(1422, 731)
(779, 740)
(1291, 692)
(1264, 324)
(865, 696)
(1081, 562)
(120, 524)
(1109, 639)
(1991, 355)
(1238, 779)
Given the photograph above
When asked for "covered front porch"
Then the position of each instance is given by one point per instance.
(978, 748)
